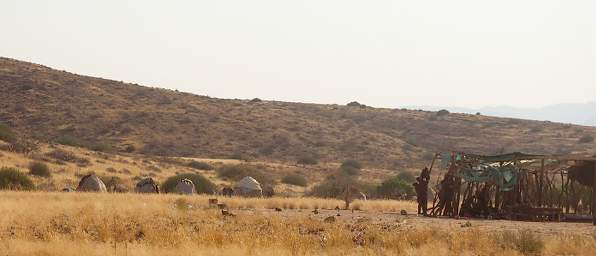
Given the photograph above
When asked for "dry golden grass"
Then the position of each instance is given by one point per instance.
(129, 224)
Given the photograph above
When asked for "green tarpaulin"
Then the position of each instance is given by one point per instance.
(505, 177)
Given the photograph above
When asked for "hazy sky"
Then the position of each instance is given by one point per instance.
(381, 53)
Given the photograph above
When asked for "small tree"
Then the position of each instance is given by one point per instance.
(13, 179)
(394, 188)
(294, 179)
(351, 167)
(39, 169)
(407, 177)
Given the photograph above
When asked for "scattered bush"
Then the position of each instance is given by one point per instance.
(39, 169)
(69, 140)
(307, 160)
(295, 179)
(586, 139)
(129, 148)
(332, 187)
(351, 164)
(13, 179)
(237, 172)
(354, 104)
(536, 129)
(526, 242)
(407, 177)
(202, 184)
(351, 167)
(200, 165)
(6, 134)
(394, 188)
(443, 112)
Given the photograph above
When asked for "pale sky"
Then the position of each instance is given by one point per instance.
(381, 53)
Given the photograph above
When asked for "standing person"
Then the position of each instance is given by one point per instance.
(423, 194)
(416, 186)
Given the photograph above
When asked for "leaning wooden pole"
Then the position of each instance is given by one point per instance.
(594, 196)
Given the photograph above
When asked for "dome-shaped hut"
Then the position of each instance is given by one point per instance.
(147, 185)
(91, 183)
(186, 187)
(248, 187)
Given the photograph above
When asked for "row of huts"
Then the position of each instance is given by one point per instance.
(247, 186)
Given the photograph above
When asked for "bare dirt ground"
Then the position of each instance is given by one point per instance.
(395, 220)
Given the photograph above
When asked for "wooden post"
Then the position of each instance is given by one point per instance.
(541, 184)
(594, 196)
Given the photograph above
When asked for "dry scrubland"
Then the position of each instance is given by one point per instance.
(129, 168)
(53, 105)
(35, 223)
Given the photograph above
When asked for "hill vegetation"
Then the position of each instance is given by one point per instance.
(111, 116)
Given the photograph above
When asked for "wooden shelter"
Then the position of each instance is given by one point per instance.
(515, 186)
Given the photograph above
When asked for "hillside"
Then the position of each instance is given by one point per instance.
(51, 105)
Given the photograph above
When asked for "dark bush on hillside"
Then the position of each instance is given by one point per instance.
(237, 172)
(129, 148)
(354, 104)
(295, 179)
(333, 186)
(255, 100)
(393, 188)
(351, 164)
(69, 140)
(200, 165)
(13, 179)
(307, 160)
(6, 134)
(443, 112)
(407, 177)
(351, 167)
(586, 139)
(39, 169)
(202, 184)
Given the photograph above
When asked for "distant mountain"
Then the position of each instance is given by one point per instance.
(575, 113)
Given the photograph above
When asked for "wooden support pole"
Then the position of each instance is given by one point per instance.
(541, 184)
(594, 196)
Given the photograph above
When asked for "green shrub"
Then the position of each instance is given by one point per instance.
(333, 186)
(39, 169)
(237, 172)
(6, 134)
(13, 179)
(407, 177)
(443, 112)
(200, 165)
(202, 184)
(586, 139)
(394, 187)
(69, 140)
(307, 160)
(351, 167)
(295, 179)
(351, 164)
